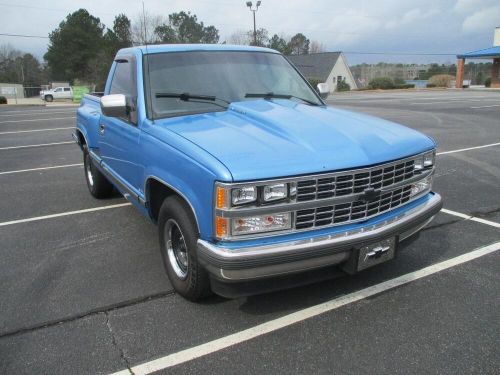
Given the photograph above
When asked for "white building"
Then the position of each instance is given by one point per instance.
(326, 67)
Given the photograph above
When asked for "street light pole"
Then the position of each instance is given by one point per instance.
(254, 30)
(254, 10)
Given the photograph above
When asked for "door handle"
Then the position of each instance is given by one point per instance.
(101, 129)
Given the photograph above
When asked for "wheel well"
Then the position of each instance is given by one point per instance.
(156, 193)
(81, 139)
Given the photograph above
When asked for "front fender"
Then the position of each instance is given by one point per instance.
(87, 122)
(188, 177)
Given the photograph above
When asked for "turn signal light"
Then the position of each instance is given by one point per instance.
(220, 198)
(220, 227)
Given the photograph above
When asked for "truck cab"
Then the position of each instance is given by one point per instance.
(247, 172)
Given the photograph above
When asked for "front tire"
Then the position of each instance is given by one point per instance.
(49, 98)
(98, 185)
(178, 245)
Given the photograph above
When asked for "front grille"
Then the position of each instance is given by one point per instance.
(353, 182)
(352, 211)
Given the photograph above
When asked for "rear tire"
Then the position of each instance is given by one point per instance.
(49, 98)
(178, 245)
(98, 185)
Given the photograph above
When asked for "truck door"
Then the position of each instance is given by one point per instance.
(58, 93)
(67, 93)
(119, 137)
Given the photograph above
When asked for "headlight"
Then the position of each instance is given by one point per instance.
(421, 186)
(260, 224)
(274, 192)
(424, 161)
(243, 195)
(429, 159)
(227, 197)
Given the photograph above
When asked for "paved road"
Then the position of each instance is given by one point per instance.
(86, 293)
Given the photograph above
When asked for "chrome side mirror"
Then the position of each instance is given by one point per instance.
(114, 105)
(323, 90)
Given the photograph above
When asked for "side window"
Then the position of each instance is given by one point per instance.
(123, 82)
(67, 89)
(58, 89)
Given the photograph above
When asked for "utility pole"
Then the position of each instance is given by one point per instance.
(254, 10)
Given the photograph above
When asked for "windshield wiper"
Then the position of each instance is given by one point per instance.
(186, 97)
(271, 95)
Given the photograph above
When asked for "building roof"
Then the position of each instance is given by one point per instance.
(486, 53)
(315, 65)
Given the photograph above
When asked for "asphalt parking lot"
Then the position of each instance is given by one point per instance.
(83, 290)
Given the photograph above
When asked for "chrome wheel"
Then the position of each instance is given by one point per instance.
(88, 171)
(176, 249)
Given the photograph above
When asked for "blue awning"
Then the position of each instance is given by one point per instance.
(487, 53)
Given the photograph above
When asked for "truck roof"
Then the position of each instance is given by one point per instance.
(162, 48)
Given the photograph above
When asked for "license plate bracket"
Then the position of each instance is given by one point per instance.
(370, 255)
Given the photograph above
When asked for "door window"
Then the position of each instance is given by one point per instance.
(124, 83)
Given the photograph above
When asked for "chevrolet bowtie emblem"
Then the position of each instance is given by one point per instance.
(370, 194)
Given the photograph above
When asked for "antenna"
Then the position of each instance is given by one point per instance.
(147, 96)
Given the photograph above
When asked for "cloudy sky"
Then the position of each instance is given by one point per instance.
(390, 26)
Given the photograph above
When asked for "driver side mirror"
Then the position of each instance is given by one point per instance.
(323, 90)
(114, 105)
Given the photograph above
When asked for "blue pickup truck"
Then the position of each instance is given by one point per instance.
(248, 174)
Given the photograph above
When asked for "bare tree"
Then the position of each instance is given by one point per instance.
(239, 37)
(144, 26)
(316, 47)
(7, 52)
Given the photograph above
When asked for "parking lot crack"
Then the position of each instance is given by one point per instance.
(105, 310)
(115, 344)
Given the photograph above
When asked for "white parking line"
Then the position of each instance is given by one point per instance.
(41, 109)
(40, 145)
(37, 130)
(467, 149)
(69, 213)
(425, 103)
(485, 106)
(44, 112)
(38, 119)
(42, 168)
(471, 218)
(302, 315)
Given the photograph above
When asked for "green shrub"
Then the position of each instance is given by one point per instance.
(404, 86)
(343, 86)
(3, 100)
(441, 80)
(487, 82)
(430, 85)
(314, 81)
(383, 83)
(399, 81)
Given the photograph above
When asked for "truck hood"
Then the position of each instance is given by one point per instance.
(266, 139)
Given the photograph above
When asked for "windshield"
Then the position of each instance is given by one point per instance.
(227, 75)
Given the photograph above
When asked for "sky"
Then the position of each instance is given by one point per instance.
(398, 27)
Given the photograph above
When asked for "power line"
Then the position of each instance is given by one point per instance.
(24, 36)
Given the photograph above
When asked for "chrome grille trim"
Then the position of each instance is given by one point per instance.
(351, 212)
(355, 181)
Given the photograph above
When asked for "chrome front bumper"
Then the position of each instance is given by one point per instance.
(256, 262)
